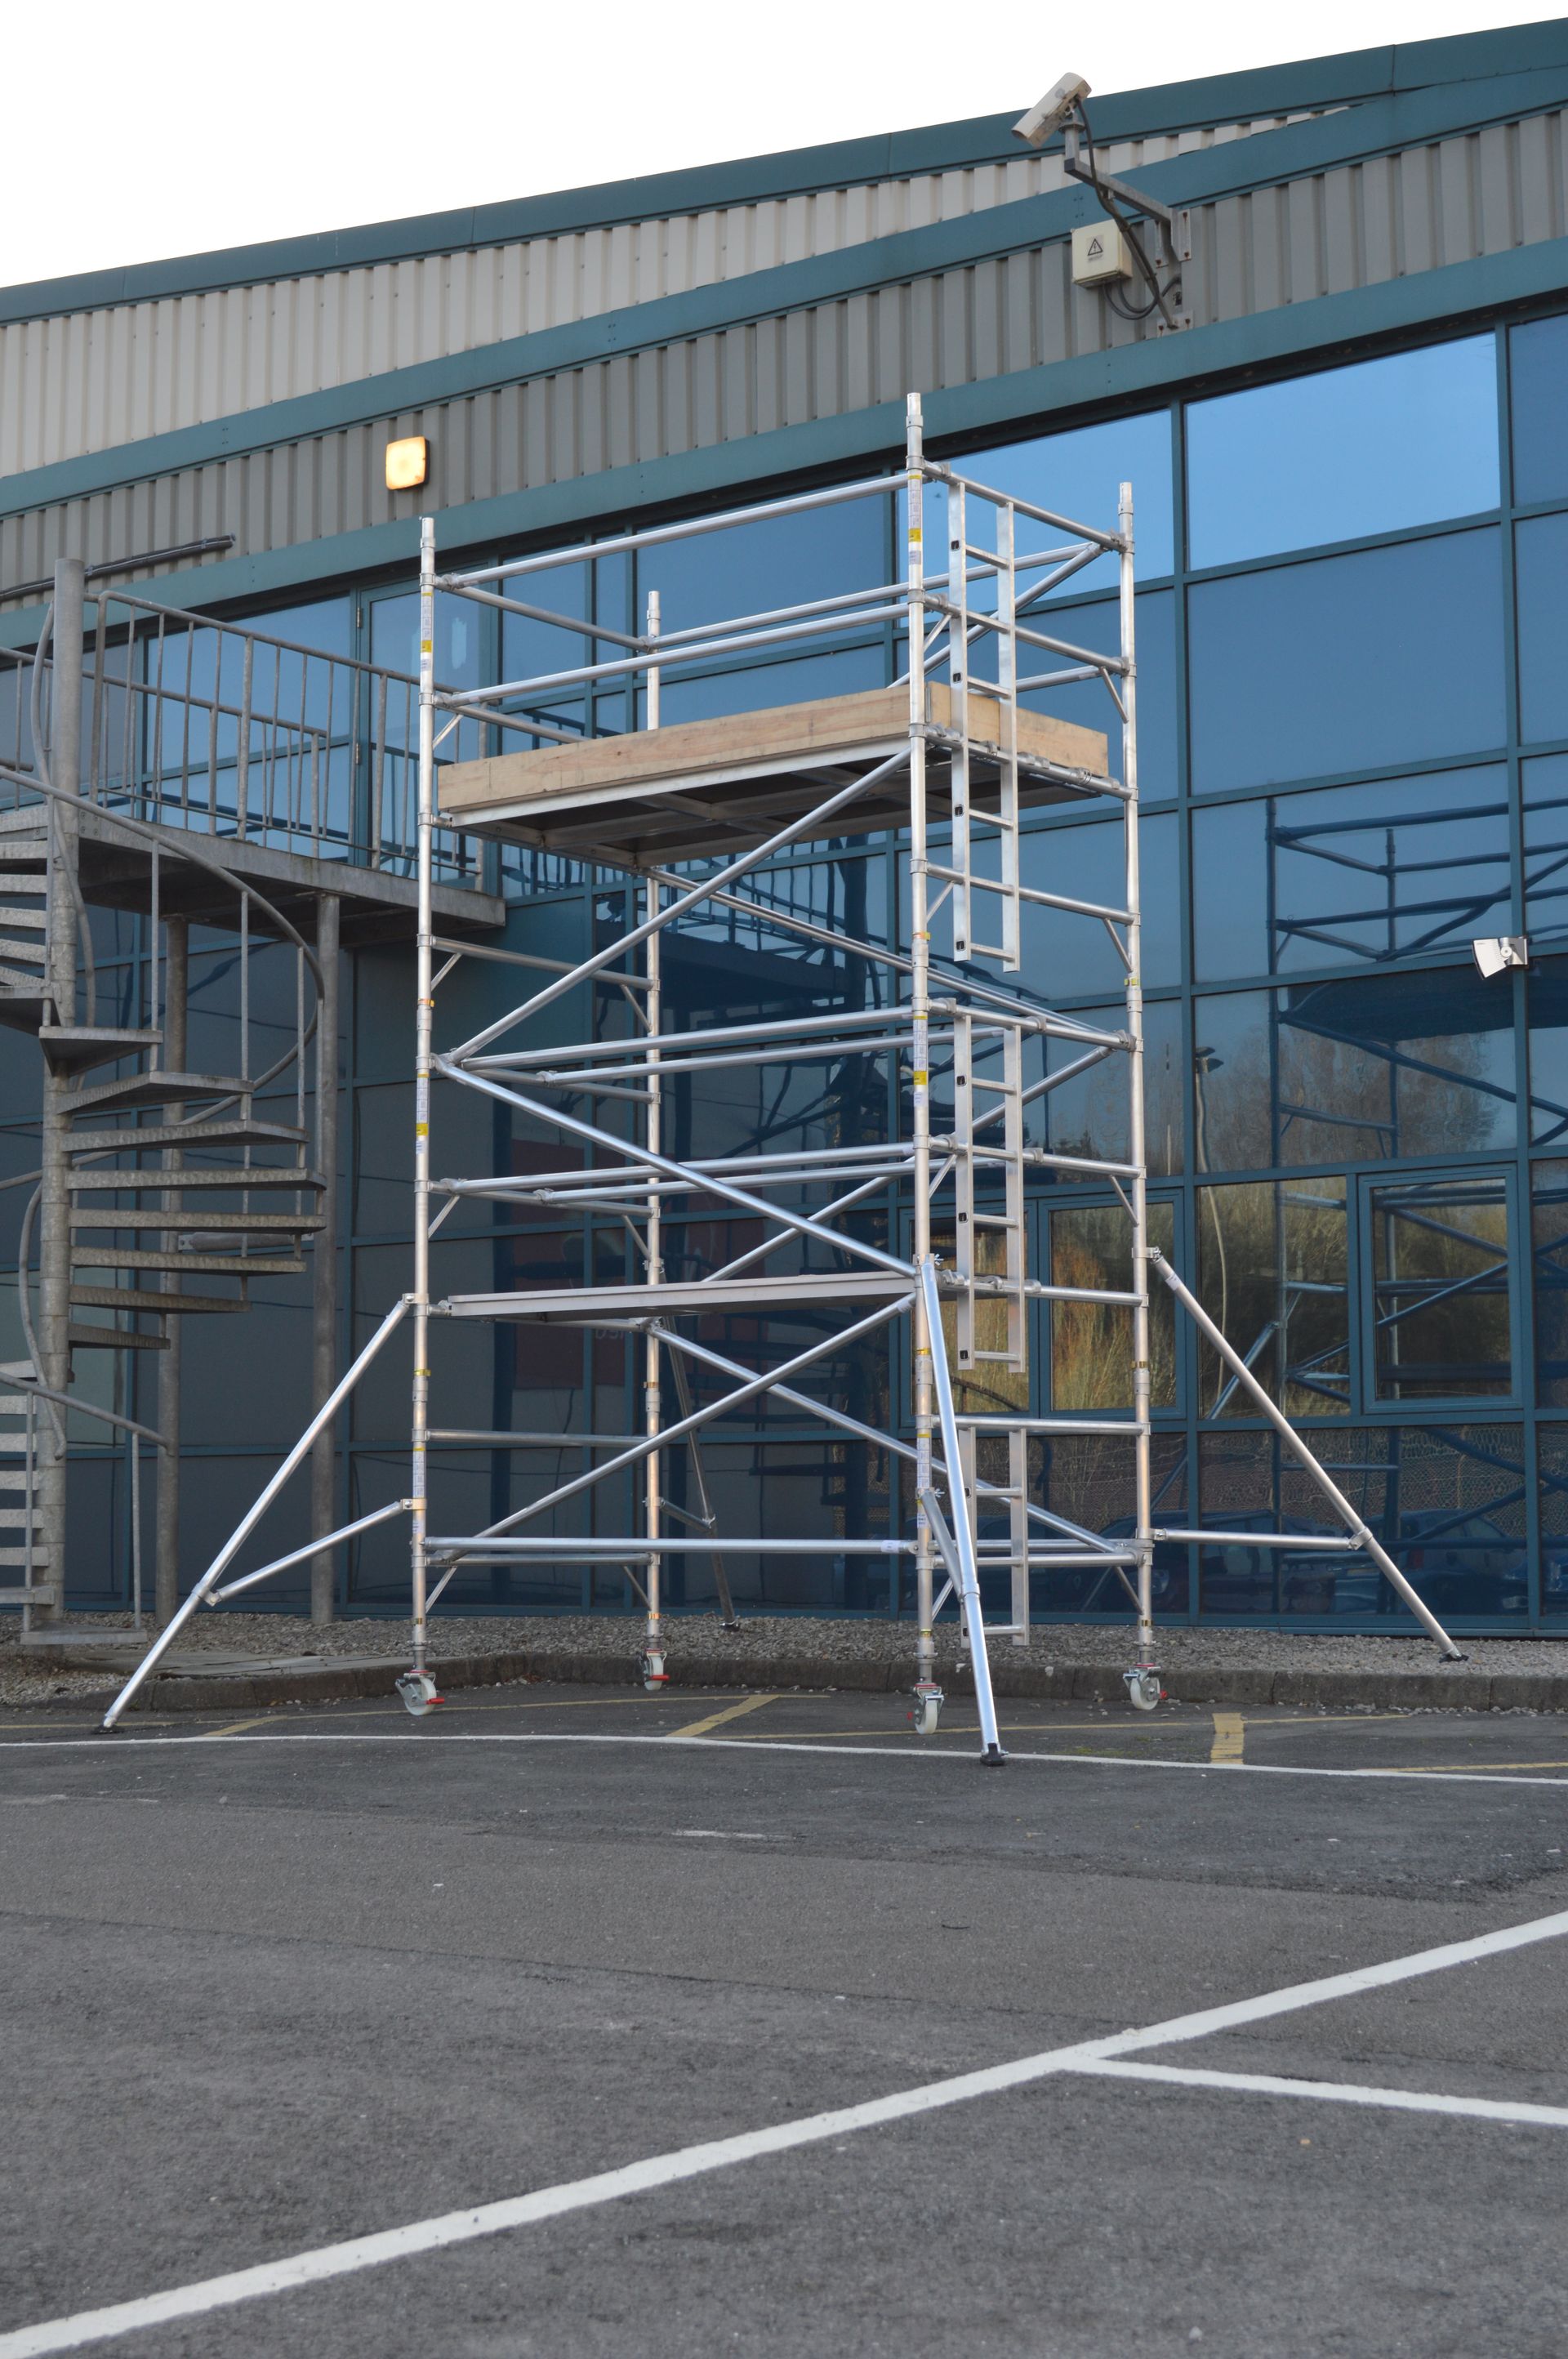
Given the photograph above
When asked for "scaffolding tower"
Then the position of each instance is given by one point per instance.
(921, 1231)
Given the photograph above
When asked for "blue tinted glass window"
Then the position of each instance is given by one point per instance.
(1273, 1273)
(1547, 988)
(782, 560)
(1064, 954)
(1447, 1502)
(1087, 1116)
(1374, 873)
(1545, 782)
(1537, 364)
(1077, 475)
(1087, 702)
(1343, 453)
(751, 688)
(1347, 663)
(1541, 571)
(1355, 1071)
(394, 637)
(1548, 1249)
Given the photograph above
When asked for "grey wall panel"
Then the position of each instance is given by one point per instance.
(1328, 232)
(93, 380)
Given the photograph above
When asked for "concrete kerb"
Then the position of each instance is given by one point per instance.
(1462, 1688)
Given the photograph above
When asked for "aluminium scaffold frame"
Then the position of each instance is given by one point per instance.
(966, 750)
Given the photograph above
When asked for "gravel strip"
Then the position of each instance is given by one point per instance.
(794, 1638)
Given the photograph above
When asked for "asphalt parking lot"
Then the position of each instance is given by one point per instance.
(406, 2032)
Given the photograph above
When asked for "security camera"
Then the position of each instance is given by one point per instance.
(1051, 110)
(1494, 953)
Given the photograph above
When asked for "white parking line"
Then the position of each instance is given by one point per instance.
(1344, 2092)
(358, 2252)
(125, 1741)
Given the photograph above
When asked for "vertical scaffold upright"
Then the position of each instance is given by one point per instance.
(922, 1229)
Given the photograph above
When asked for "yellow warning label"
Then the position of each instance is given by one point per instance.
(421, 1130)
(921, 1080)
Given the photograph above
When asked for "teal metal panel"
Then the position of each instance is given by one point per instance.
(1033, 398)
(1272, 159)
(1334, 80)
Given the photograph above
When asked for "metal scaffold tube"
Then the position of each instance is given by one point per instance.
(418, 1689)
(1143, 1678)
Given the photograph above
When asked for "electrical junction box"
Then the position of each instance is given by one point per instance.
(1100, 254)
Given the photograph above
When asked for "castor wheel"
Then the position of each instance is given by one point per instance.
(655, 1675)
(927, 1711)
(417, 1689)
(1143, 1690)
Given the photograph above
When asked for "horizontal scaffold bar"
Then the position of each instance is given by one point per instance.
(582, 1306)
(1338, 1543)
(514, 1544)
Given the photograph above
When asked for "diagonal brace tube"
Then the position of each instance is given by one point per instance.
(1354, 1524)
(311, 1548)
(888, 1441)
(252, 1515)
(645, 1157)
(961, 1561)
(689, 899)
(701, 1417)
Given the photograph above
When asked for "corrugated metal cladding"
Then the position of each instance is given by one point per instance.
(1357, 225)
(90, 380)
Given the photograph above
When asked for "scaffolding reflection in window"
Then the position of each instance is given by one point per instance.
(1274, 1274)
(1363, 1071)
(1441, 1320)
(1549, 1256)
(1375, 873)
(1447, 1502)
(1091, 1355)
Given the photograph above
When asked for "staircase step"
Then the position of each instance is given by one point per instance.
(30, 920)
(199, 1265)
(166, 1306)
(21, 953)
(42, 1592)
(184, 1218)
(13, 1517)
(233, 1177)
(73, 1047)
(240, 1132)
(22, 1011)
(158, 1089)
(113, 1339)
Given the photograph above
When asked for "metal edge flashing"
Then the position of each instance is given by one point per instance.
(1384, 126)
(1338, 78)
(1023, 398)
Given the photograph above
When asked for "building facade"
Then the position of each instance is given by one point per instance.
(1350, 474)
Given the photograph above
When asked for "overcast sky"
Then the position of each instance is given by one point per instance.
(136, 133)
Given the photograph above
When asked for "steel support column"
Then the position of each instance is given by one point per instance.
(324, 1274)
(54, 1206)
(176, 1001)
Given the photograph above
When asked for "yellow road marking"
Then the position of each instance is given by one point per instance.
(235, 1726)
(1443, 1768)
(1229, 1735)
(718, 1719)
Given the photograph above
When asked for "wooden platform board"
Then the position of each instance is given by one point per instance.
(720, 786)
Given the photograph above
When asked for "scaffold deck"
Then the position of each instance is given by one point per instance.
(722, 784)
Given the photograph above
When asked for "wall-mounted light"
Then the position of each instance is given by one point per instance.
(408, 462)
(1493, 953)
